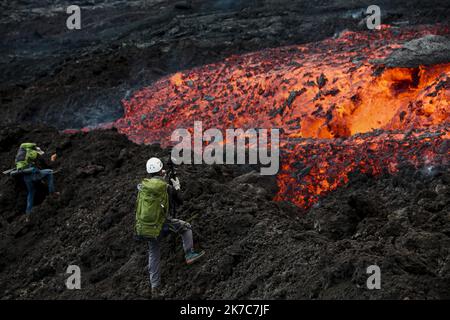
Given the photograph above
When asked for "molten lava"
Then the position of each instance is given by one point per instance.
(338, 111)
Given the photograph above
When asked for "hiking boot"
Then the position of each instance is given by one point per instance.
(193, 256)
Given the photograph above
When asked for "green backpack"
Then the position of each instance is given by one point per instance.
(151, 207)
(26, 155)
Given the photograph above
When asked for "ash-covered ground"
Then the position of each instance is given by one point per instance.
(256, 248)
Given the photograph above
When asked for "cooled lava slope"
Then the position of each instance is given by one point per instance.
(256, 248)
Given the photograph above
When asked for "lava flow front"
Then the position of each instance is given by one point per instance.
(337, 109)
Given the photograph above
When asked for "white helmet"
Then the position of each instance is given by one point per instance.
(154, 165)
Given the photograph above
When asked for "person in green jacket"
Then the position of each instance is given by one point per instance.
(153, 220)
(26, 159)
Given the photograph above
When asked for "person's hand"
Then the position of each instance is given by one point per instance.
(176, 183)
(53, 157)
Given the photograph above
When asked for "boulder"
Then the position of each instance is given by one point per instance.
(428, 50)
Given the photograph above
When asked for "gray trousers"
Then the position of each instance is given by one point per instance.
(154, 254)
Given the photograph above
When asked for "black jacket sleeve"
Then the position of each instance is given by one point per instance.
(175, 200)
(175, 195)
(42, 163)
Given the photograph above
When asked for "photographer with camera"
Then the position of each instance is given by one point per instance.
(155, 217)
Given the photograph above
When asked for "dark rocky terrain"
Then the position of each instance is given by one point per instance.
(52, 78)
(76, 78)
(256, 248)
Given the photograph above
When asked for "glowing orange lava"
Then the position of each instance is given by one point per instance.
(330, 91)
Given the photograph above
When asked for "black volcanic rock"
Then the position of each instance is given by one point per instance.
(255, 248)
(428, 50)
